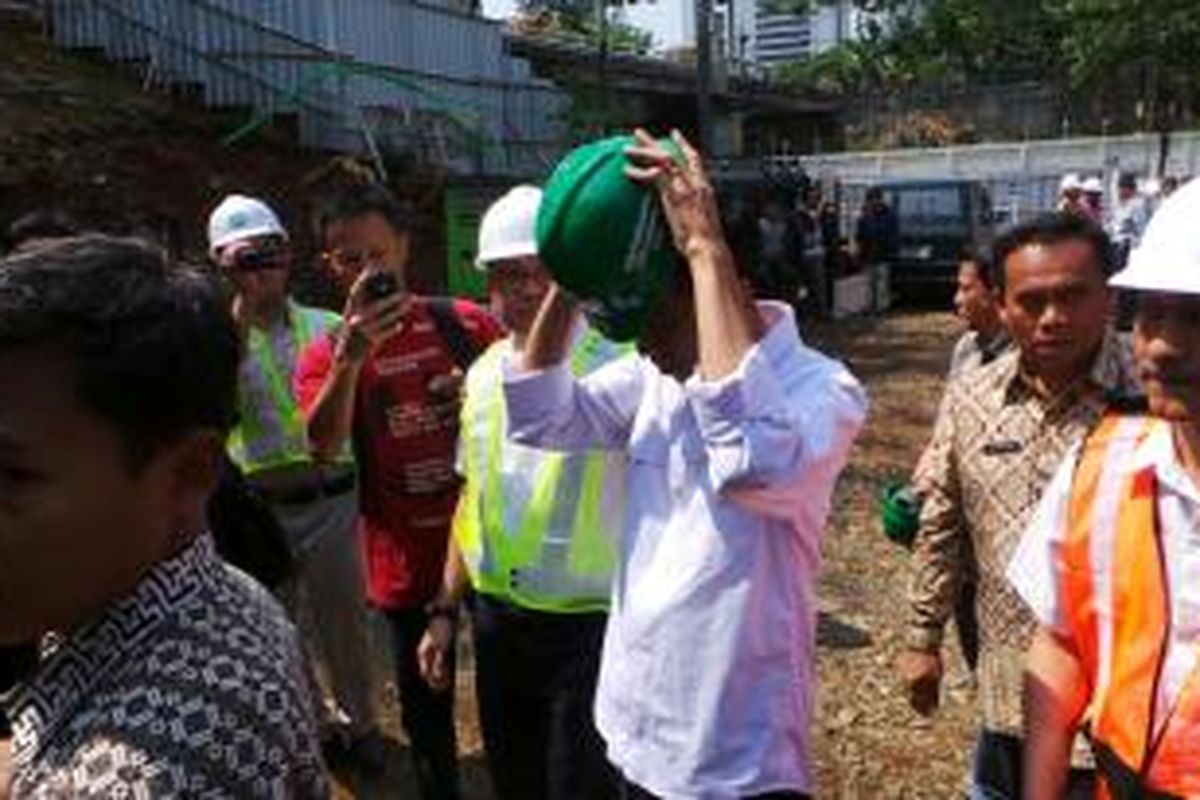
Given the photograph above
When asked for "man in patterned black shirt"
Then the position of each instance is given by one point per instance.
(163, 672)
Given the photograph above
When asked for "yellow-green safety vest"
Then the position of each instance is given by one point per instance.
(271, 432)
(557, 553)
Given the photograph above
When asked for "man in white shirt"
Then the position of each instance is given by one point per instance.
(735, 433)
(1111, 564)
(1130, 216)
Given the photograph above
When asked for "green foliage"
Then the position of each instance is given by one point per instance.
(578, 25)
(1089, 43)
(920, 42)
(592, 111)
(1113, 33)
(1155, 44)
(844, 69)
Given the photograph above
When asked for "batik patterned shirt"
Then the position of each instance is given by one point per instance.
(995, 447)
(189, 687)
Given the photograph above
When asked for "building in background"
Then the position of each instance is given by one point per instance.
(744, 31)
(782, 37)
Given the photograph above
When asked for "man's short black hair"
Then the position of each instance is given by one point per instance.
(45, 224)
(1051, 229)
(353, 201)
(982, 260)
(152, 344)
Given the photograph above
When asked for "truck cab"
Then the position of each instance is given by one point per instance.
(936, 219)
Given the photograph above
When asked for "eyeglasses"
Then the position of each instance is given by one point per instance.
(261, 259)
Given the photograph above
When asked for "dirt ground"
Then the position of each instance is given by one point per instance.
(76, 135)
(867, 743)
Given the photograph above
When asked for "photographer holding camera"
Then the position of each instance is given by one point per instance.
(316, 503)
(389, 381)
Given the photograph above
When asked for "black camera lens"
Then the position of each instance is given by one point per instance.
(249, 261)
(259, 260)
(381, 285)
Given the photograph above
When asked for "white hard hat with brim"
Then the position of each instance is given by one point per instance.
(508, 227)
(1168, 258)
(238, 218)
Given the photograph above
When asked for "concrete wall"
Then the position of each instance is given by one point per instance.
(1021, 176)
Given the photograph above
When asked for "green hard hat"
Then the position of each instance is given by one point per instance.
(604, 238)
(900, 512)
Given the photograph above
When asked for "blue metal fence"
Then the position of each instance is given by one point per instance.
(405, 75)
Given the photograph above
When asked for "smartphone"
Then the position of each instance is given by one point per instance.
(382, 285)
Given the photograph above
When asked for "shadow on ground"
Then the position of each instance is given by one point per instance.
(837, 635)
(398, 781)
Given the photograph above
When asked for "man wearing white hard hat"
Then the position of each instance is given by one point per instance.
(1129, 216)
(1093, 198)
(533, 537)
(316, 504)
(1070, 193)
(1111, 565)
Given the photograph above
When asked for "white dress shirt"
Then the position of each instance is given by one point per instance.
(1034, 570)
(706, 680)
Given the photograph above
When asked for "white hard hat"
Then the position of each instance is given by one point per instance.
(1093, 185)
(240, 217)
(1070, 183)
(1168, 258)
(508, 228)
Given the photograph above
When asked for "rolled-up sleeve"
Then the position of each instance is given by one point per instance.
(939, 554)
(552, 410)
(785, 408)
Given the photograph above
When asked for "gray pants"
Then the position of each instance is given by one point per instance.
(326, 601)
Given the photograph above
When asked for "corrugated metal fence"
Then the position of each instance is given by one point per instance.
(396, 74)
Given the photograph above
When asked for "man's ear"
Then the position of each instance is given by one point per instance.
(196, 463)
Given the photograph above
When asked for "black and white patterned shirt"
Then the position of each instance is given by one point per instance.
(190, 687)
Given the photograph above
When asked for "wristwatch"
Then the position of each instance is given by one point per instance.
(447, 611)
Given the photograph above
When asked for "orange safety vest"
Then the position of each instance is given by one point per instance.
(1115, 591)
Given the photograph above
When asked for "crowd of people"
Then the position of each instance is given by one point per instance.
(1123, 206)
(206, 488)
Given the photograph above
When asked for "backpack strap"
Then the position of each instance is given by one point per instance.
(463, 348)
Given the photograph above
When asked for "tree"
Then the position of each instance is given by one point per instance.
(1154, 42)
(920, 42)
(578, 25)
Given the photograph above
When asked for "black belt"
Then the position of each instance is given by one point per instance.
(308, 493)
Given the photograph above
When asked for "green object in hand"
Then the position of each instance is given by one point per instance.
(605, 239)
(900, 511)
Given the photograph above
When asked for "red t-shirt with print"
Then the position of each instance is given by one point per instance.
(405, 439)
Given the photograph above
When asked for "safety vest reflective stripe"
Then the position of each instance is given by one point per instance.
(1116, 595)
(554, 553)
(271, 431)
(1178, 755)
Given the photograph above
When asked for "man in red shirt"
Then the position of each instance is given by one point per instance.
(389, 380)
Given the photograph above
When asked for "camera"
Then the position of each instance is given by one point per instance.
(256, 259)
(252, 261)
(382, 285)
